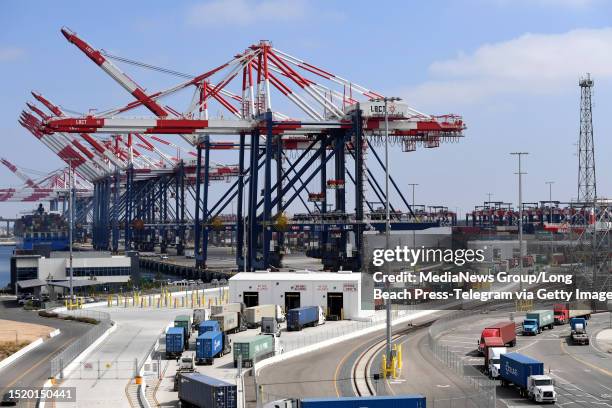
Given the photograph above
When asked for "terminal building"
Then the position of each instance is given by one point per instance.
(33, 272)
(338, 293)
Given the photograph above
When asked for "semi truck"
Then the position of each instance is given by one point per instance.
(304, 317)
(579, 334)
(253, 349)
(269, 325)
(208, 325)
(527, 374)
(494, 360)
(506, 331)
(198, 390)
(565, 311)
(228, 321)
(211, 344)
(395, 401)
(184, 321)
(253, 315)
(175, 342)
(537, 321)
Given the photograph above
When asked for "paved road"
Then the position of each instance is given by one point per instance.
(33, 369)
(583, 374)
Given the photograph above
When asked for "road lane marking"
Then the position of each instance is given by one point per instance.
(593, 366)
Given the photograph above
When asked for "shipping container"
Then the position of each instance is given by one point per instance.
(184, 321)
(302, 317)
(516, 368)
(253, 315)
(175, 342)
(228, 307)
(396, 401)
(208, 346)
(228, 321)
(201, 391)
(208, 325)
(199, 315)
(505, 330)
(253, 349)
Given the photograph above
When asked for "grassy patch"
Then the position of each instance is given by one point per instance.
(9, 347)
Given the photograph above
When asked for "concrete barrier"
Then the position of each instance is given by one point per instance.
(19, 353)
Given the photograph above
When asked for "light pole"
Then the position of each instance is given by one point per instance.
(413, 185)
(520, 187)
(386, 101)
(70, 224)
(550, 183)
(489, 194)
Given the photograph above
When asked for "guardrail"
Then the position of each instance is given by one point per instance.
(60, 361)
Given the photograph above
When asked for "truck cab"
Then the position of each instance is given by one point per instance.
(561, 314)
(541, 388)
(494, 360)
(530, 327)
(579, 334)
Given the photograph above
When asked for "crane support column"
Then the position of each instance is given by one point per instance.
(205, 215)
(253, 189)
(116, 191)
(359, 165)
(267, 210)
(239, 221)
(196, 220)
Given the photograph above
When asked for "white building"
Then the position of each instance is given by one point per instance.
(338, 293)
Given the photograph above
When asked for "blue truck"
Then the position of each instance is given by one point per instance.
(304, 317)
(175, 342)
(578, 333)
(537, 321)
(209, 345)
(527, 374)
(208, 325)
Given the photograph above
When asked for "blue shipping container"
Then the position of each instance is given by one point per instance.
(302, 316)
(175, 342)
(206, 392)
(516, 368)
(208, 325)
(209, 345)
(397, 401)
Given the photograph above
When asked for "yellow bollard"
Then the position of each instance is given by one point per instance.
(383, 367)
(399, 356)
(393, 367)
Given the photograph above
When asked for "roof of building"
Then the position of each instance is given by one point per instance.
(31, 283)
(296, 276)
(76, 283)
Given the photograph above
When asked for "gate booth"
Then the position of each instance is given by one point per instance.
(250, 299)
(292, 300)
(335, 305)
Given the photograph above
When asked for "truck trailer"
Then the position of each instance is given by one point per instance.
(209, 345)
(201, 391)
(527, 374)
(565, 311)
(253, 349)
(537, 321)
(304, 317)
(228, 321)
(175, 342)
(253, 315)
(506, 331)
(395, 401)
(208, 325)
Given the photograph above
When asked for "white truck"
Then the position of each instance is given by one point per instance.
(493, 360)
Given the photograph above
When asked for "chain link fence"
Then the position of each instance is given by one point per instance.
(486, 388)
(59, 362)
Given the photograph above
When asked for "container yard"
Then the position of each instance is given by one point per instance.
(325, 206)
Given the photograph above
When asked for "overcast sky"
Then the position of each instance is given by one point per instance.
(510, 67)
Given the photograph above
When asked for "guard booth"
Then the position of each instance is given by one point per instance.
(335, 305)
(292, 300)
(250, 299)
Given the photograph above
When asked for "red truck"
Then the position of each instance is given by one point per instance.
(565, 311)
(504, 330)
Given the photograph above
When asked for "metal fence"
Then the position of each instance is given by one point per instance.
(59, 362)
(485, 388)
